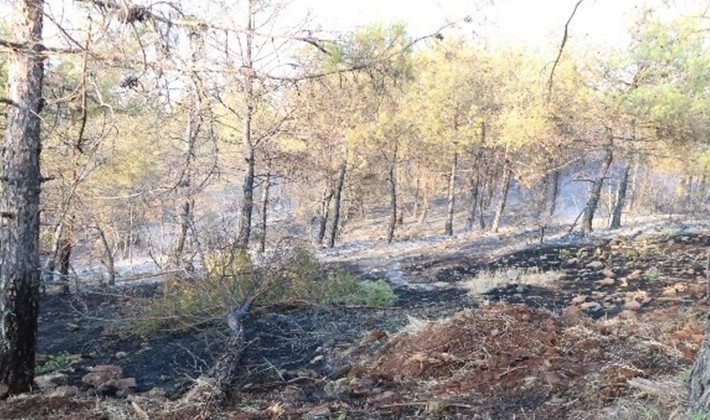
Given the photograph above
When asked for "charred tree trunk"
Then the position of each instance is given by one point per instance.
(247, 204)
(225, 370)
(507, 177)
(264, 210)
(620, 199)
(392, 188)
(323, 216)
(595, 194)
(449, 227)
(336, 205)
(108, 261)
(473, 201)
(19, 201)
(555, 181)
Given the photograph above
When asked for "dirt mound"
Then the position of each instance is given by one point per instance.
(549, 364)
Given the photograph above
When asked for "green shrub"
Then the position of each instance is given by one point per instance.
(293, 275)
(56, 363)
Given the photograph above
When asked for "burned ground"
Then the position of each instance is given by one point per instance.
(623, 310)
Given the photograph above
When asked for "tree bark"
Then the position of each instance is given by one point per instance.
(620, 199)
(20, 200)
(108, 261)
(392, 188)
(227, 366)
(247, 203)
(507, 177)
(449, 227)
(264, 210)
(336, 204)
(323, 217)
(595, 194)
(185, 183)
(555, 180)
(700, 378)
(473, 200)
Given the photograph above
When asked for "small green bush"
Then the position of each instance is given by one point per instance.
(294, 275)
(56, 363)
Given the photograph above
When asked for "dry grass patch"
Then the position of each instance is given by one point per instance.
(486, 281)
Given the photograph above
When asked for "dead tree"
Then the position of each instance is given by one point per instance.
(597, 185)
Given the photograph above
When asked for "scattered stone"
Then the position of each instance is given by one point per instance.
(590, 306)
(65, 391)
(71, 327)
(635, 275)
(335, 389)
(121, 355)
(595, 265)
(579, 299)
(319, 413)
(101, 374)
(608, 273)
(627, 314)
(607, 282)
(571, 315)
(632, 305)
(571, 262)
(50, 380)
(157, 392)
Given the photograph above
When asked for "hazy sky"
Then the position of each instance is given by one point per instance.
(535, 23)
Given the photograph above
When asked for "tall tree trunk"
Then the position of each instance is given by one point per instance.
(323, 217)
(507, 177)
(700, 379)
(555, 181)
(248, 145)
(620, 199)
(185, 183)
(264, 210)
(336, 204)
(108, 261)
(473, 200)
(595, 193)
(19, 201)
(392, 188)
(449, 227)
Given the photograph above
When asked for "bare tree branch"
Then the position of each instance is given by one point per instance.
(562, 47)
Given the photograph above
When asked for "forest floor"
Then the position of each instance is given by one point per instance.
(492, 327)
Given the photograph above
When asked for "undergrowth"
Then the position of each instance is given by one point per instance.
(291, 276)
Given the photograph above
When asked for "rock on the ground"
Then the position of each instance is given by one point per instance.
(65, 391)
(595, 265)
(71, 327)
(50, 380)
(579, 299)
(590, 306)
(607, 282)
(632, 305)
(102, 374)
